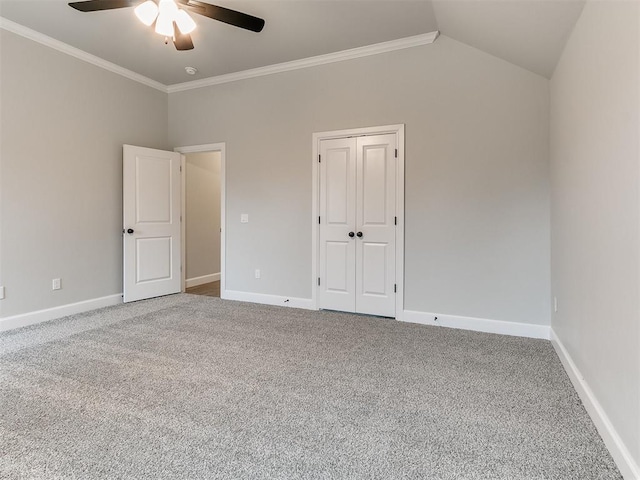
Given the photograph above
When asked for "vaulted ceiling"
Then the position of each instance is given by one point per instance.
(528, 33)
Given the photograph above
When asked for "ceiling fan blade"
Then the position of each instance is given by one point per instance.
(97, 5)
(232, 17)
(182, 41)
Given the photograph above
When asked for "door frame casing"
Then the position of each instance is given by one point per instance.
(209, 147)
(398, 130)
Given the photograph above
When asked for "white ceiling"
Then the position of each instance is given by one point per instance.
(529, 33)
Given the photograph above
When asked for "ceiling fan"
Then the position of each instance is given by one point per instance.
(171, 18)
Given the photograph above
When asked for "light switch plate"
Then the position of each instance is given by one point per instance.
(244, 218)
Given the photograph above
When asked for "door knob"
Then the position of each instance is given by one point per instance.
(359, 234)
(129, 231)
(351, 234)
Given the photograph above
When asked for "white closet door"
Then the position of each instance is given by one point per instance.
(375, 220)
(151, 214)
(357, 225)
(337, 221)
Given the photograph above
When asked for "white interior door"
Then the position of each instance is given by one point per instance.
(375, 220)
(151, 228)
(337, 224)
(357, 224)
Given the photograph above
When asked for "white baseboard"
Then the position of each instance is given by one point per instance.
(195, 281)
(619, 451)
(478, 324)
(39, 316)
(265, 299)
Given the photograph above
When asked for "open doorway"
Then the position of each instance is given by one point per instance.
(203, 219)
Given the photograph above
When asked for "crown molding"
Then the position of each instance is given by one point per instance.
(353, 53)
(350, 54)
(77, 53)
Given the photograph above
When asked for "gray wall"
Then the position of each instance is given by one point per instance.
(595, 128)
(477, 193)
(62, 126)
(202, 185)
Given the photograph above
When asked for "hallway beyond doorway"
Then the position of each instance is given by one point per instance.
(209, 289)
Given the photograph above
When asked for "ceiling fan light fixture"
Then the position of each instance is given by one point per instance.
(168, 7)
(164, 25)
(168, 10)
(147, 12)
(185, 23)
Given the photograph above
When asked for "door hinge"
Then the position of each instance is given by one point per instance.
(318, 219)
(395, 220)
(318, 281)
(319, 158)
(180, 167)
(395, 288)
(180, 218)
(396, 153)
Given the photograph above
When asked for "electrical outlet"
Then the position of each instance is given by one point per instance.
(55, 284)
(555, 304)
(244, 218)
(257, 273)
(1, 293)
